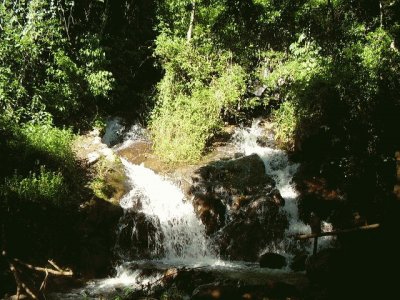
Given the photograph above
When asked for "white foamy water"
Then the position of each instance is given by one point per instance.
(182, 236)
(277, 166)
(127, 277)
(135, 133)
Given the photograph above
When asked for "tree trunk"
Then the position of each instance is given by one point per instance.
(191, 23)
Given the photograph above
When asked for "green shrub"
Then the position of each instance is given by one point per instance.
(46, 186)
(286, 123)
(296, 84)
(50, 141)
(198, 87)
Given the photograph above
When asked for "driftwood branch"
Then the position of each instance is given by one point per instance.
(17, 267)
(57, 272)
(54, 265)
(338, 232)
(21, 285)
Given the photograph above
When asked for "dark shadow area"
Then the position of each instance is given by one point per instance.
(36, 226)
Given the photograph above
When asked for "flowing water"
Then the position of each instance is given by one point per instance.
(177, 237)
(277, 165)
(181, 237)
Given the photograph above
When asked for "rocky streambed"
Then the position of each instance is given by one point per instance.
(220, 229)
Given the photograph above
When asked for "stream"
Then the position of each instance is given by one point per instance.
(174, 237)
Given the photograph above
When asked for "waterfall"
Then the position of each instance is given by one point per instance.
(278, 166)
(181, 237)
(173, 235)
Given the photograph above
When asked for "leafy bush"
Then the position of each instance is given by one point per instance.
(286, 123)
(42, 75)
(46, 187)
(199, 85)
(49, 141)
(293, 84)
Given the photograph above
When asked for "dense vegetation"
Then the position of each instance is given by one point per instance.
(326, 71)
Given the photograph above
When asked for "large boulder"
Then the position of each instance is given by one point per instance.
(228, 184)
(140, 236)
(251, 229)
(99, 220)
(238, 204)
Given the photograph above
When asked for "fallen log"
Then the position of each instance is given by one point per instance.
(338, 232)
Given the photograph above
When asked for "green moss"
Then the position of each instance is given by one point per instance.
(109, 181)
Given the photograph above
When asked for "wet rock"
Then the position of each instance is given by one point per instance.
(227, 184)
(138, 238)
(239, 205)
(326, 266)
(136, 153)
(169, 275)
(272, 261)
(97, 228)
(90, 148)
(250, 230)
(276, 198)
(298, 263)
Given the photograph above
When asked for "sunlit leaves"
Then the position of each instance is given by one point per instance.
(40, 68)
(197, 86)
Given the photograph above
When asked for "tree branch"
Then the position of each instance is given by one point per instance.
(338, 232)
(58, 272)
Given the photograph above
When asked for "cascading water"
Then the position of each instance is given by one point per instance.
(181, 237)
(278, 166)
(173, 235)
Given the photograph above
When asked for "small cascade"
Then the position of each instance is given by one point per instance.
(180, 236)
(160, 226)
(278, 166)
(119, 136)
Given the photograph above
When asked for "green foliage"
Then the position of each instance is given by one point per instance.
(45, 186)
(199, 84)
(41, 73)
(54, 143)
(93, 57)
(286, 123)
(292, 82)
